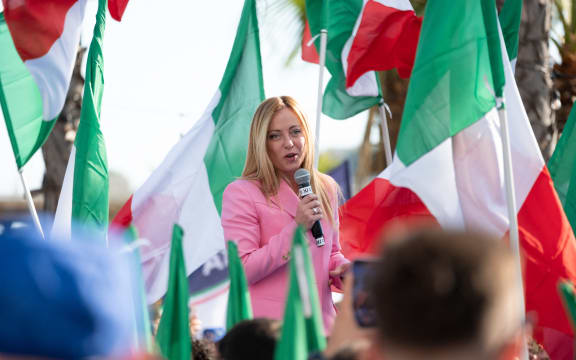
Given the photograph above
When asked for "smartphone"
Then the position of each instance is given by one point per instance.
(361, 299)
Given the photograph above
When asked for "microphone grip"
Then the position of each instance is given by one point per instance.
(318, 234)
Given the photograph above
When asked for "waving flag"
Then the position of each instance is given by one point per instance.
(338, 17)
(38, 55)
(385, 37)
(187, 187)
(448, 165)
(510, 17)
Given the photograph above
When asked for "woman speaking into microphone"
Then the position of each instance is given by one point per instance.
(261, 210)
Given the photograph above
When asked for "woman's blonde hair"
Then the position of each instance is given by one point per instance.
(258, 164)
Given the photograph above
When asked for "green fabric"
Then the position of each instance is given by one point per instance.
(510, 17)
(338, 17)
(569, 299)
(173, 331)
(451, 83)
(21, 101)
(562, 167)
(493, 37)
(301, 335)
(90, 189)
(239, 305)
(242, 90)
(142, 329)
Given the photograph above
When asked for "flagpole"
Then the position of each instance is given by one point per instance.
(322, 63)
(512, 213)
(383, 107)
(30, 203)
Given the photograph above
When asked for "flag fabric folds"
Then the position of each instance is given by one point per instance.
(239, 305)
(187, 187)
(338, 17)
(302, 329)
(84, 196)
(385, 37)
(117, 8)
(448, 165)
(173, 331)
(39, 40)
(562, 167)
(510, 17)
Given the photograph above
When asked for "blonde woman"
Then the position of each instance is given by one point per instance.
(261, 210)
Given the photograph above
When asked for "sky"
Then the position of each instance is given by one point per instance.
(162, 65)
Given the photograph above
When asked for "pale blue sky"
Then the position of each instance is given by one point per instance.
(162, 66)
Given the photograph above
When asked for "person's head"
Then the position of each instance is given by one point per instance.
(280, 143)
(449, 295)
(250, 339)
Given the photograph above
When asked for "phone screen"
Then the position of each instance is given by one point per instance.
(362, 302)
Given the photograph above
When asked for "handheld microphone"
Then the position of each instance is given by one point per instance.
(302, 178)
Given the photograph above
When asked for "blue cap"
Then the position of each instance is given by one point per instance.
(59, 299)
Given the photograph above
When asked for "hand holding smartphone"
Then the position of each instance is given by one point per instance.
(362, 302)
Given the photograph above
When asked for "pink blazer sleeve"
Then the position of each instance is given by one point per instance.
(241, 224)
(336, 256)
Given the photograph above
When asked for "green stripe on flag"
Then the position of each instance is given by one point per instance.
(338, 17)
(451, 83)
(493, 37)
(242, 90)
(239, 305)
(302, 329)
(173, 331)
(21, 101)
(510, 18)
(562, 166)
(90, 189)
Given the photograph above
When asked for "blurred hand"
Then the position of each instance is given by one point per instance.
(309, 211)
(194, 322)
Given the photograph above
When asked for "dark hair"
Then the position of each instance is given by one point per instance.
(203, 349)
(250, 339)
(433, 288)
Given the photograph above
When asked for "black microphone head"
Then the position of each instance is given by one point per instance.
(302, 176)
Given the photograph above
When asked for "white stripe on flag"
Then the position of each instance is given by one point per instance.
(62, 227)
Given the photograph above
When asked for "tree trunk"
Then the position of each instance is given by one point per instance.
(533, 72)
(56, 149)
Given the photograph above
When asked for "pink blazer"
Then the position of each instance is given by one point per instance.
(263, 230)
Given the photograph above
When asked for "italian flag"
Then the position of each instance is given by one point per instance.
(38, 42)
(187, 187)
(448, 164)
(384, 37)
(83, 199)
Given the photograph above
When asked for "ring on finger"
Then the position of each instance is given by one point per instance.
(315, 210)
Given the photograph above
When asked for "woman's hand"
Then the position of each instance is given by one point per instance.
(308, 212)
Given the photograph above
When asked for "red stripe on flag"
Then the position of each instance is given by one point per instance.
(549, 254)
(378, 208)
(309, 53)
(386, 39)
(35, 25)
(123, 218)
(117, 8)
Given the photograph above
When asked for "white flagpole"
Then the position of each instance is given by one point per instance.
(512, 213)
(30, 203)
(322, 63)
(385, 133)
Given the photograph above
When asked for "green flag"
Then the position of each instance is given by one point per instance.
(173, 331)
(510, 17)
(338, 18)
(239, 306)
(21, 101)
(84, 195)
(569, 299)
(562, 167)
(302, 330)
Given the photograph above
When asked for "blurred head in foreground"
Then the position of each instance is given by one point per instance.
(250, 339)
(62, 300)
(446, 295)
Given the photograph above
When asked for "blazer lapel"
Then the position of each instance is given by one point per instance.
(287, 199)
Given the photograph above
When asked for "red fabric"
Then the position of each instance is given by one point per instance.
(35, 25)
(309, 53)
(123, 218)
(387, 38)
(378, 208)
(549, 254)
(116, 8)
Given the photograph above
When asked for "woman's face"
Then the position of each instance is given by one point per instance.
(285, 142)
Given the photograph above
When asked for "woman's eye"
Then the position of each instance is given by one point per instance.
(273, 136)
(296, 131)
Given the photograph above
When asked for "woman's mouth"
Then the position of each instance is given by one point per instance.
(291, 156)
